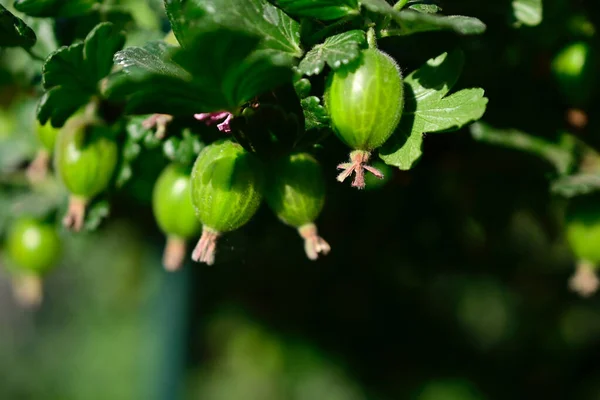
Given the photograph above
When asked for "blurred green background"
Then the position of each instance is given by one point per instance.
(448, 282)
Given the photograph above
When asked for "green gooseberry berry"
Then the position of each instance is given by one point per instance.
(365, 102)
(227, 184)
(38, 169)
(296, 193)
(574, 68)
(583, 236)
(174, 212)
(33, 246)
(86, 158)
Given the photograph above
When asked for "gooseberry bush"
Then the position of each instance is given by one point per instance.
(241, 98)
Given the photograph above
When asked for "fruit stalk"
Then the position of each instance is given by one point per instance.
(313, 243)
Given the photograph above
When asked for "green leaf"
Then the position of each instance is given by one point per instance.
(406, 150)
(71, 75)
(336, 51)
(202, 77)
(425, 8)
(528, 12)
(414, 22)
(99, 48)
(427, 108)
(378, 6)
(576, 185)
(56, 8)
(14, 32)
(320, 9)
(315, 114)
(153, 58)
(560, 155)
(259, 18)
(410, 21)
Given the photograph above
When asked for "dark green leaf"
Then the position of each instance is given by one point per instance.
(575, 185)
(410, 22)
(60, 102)
(153, 58)
(528, 12)
(406, 150)
(71, 75)
(378, 6)
(100, 46)
(56, 8)
(13, 31)
(428, 109)
(425, 8)
(315, 114)
(336, 51)
(321, 9)
(413, 22)
(560, 155)
(273, 125)
(201, 77)
(276, 30)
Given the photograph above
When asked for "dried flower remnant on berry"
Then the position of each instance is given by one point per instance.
(221, 118)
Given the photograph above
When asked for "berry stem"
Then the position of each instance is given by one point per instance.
(584, 281)
(206, 248)
(38, 169)
(75, 216)
(358, 165)
(371, 38)
(28, 290)
(313, 243)
(174, 253)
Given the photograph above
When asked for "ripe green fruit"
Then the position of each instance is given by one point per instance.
(227, 182)
(33, 247)
(575, 72)
(365, 105)
(296, 193)
(174, 212)
(583, 236)
(86, 158)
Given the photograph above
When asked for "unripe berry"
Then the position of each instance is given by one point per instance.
(296, 193)
(227, 182)
(86, 159)
(574, 69)
(47, 135)
(583, 236)
(365, 102)
(33, 248)
(174, 212)
(38, 169)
